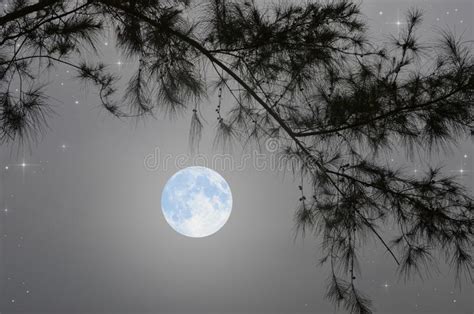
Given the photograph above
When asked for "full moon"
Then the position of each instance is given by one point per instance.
(196, 202)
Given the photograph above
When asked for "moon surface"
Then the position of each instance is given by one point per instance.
(196, 202)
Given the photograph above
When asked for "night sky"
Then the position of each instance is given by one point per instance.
(81, 227)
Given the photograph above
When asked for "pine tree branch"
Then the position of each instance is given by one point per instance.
(238, 79)
(40, 5)
(32, 29)
(386, 115)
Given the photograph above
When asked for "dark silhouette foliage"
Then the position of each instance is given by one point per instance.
(303, 74)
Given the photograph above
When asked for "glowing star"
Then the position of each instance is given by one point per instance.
(398, 22)
(196, 202)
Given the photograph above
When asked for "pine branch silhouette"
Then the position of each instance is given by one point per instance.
(306, 75)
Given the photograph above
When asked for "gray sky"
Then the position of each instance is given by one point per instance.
(84, 230)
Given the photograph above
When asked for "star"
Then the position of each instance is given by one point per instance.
(461, 171)
(77, 102)
(6, 210)
(465, 156)
(6, 167)
(24, 165)
(398, 22)
(386, 285)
